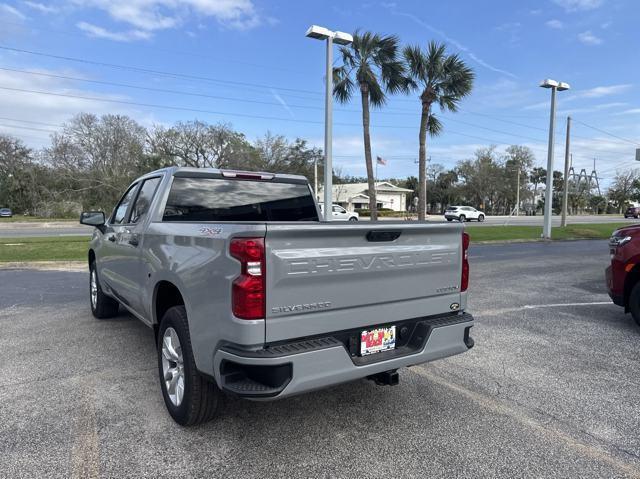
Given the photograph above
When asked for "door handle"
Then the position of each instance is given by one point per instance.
(133, 241)
(112, 238)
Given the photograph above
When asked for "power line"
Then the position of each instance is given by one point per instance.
(156, 48)
(27, 128)
(197, 110)
(162, 90)
(608, 133)
(156, 72)
(30, 121)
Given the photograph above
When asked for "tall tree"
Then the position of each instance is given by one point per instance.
(624, 187)
(202, 145)
(442, 79)
(371, 64)
(518, 161)
(97, 157)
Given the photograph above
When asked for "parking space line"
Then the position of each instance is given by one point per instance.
(539, 306)
(594, 452)
(85, 457)
(559, 305)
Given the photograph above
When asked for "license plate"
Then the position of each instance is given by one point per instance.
(377, 340)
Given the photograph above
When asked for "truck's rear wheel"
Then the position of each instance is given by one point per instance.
(102, 306)
(634, 303)
(189, 396)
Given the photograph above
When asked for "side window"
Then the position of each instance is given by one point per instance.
(119, 213)
(143, 201)
(338, 209)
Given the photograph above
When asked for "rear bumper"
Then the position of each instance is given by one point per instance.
(303, 366)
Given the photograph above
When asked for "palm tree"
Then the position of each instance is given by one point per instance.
(443, 79)
(372, 64)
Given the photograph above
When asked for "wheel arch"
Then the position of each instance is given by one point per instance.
(165, 295)
(91, 256)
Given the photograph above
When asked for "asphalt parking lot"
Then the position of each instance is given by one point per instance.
(551, 389)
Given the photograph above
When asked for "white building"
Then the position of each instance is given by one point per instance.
(354, 195)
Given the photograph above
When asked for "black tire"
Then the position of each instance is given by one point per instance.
(462, 218)
(634, 303)
(449, 219)
(353, 218)
(104, 307)
(202, 397)
(481, 218)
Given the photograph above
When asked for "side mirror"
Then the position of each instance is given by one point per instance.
(92, 218)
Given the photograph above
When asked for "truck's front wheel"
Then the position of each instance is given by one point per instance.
(102, 306)
(189, 396)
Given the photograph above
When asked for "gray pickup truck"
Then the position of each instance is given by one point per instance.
(249, 293)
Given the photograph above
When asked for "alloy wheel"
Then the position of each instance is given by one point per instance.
(173, 366)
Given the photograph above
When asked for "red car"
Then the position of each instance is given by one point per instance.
(623, 276)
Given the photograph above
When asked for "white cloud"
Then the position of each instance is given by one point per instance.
(40, 7)
(154, 15)
(600, 91)
(11, 11)
(578, 5)
(589, 38)
(99, 32)
(557, 24)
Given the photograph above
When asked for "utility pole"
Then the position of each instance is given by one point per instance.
(518, 194)
(315, 178)
(426, 183)
(565, 196)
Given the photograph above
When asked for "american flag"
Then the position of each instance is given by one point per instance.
(381, 161)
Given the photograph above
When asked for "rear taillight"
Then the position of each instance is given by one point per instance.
(464, 282)
(248, 296)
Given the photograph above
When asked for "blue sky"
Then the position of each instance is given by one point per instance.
(256, 70)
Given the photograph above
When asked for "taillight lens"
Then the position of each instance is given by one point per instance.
(248, 296)
(464, 282)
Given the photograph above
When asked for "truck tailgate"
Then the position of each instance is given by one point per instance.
(330, 277)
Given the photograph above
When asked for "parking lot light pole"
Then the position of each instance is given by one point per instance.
(548, 196)
(341, 38)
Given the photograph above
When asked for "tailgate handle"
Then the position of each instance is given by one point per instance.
(379, 236)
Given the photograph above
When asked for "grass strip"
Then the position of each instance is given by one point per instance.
(46, 248)
(532, 233)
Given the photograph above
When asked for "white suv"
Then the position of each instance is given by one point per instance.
(463, 213)
(338, 213)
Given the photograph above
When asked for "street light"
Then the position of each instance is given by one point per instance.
(341, 38)
(548, 195)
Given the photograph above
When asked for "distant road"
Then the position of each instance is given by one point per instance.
(68, 228)
(52, 228)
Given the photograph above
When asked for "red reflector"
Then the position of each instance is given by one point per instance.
(464, 282)
(248, 296)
